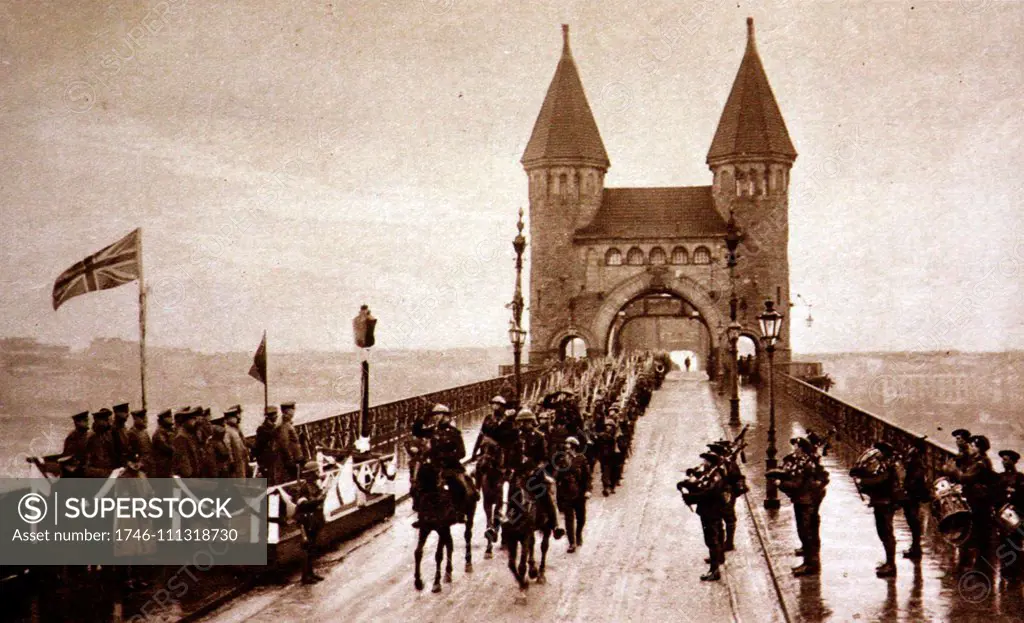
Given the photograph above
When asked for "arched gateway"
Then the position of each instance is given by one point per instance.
(602, 259)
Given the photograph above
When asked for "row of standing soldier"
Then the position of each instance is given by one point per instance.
(803, 478)
(187, 443)
(992, 502)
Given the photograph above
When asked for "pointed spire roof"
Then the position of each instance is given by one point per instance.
(565, 129)
(751, 123)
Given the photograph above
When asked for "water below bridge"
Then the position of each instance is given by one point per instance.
(644, 551)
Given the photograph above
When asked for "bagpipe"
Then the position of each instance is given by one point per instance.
(700, 480)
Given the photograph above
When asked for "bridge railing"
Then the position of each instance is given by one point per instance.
(857, 427)
(391, 422)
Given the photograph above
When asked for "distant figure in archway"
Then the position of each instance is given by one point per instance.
(687, 364)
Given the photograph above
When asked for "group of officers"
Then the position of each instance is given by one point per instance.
(187, 443)
(897, 478)
(558, 444)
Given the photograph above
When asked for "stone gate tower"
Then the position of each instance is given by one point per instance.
(596, 251)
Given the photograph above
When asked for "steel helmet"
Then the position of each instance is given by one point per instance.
(525, 414)
(441, 409)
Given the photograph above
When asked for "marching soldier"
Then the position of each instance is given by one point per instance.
(573, 478)
(802, 479)
(188, 458)
(705, 487)
(139, 443)
(881, 482)
(916, 493)
(263, 449)
(76, 445)
(163, 446)
(119, 434)
(309, 514)
(608, 455)
(100, 455)
(1011, 491)
(236, 443)
(286, 440)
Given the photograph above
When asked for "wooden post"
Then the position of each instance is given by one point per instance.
(142, 324)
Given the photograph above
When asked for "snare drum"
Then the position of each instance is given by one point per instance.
(1009, 520)
(952, 512)
(942, 487)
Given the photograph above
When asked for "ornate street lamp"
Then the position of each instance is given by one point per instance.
(732, 242)
(516, 334)
(771, 325)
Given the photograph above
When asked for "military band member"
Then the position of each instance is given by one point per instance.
(916, 493)
(263, 449)
(963, 456)
(804, 480)
(140, 444)
(573, 479)
(885, 491)
(100, 455)
(188, 457)
(309, 514)
(120, 433)
(236, 443)
(735, 486)
(289, 452)
(1011, 491)
(76, 445)
(163, 446)
(977, 478)
(705, 487)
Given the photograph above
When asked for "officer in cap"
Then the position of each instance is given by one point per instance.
(139, 441)
(236, 442)
(490, 428)
(120, 434)
(163, 445)
(290, 455)
(188, 455)
(263, 448)
(976, 477)
(100, 456)
(76, 445)
(962, 458)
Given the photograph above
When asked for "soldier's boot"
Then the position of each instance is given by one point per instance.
(730, 532)
(798, 551)
(887, 570)
(914, 553)
(712, 575)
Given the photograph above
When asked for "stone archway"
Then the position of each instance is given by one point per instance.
(651, 282)
(557, 343)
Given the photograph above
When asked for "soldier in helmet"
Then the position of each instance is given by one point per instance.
(531, 457)
(573, 478)
(490, 428)
(447, 449)
(309, 514)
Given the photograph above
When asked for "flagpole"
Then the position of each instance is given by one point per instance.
(266, 373)
(142, 324)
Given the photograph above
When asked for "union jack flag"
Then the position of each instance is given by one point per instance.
(113, 266)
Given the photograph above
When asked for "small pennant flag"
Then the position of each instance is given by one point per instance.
(116, 265)
(258, 370)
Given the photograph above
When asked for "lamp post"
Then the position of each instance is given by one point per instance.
(732, 241)
(771, 324)
(516, 334)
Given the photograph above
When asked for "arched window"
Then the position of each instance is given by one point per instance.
(657, 256)
(701, 255)
(613, 257)
(741, 184)
(680, 256)
(635, 257)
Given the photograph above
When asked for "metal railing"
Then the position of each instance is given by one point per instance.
(858, 428)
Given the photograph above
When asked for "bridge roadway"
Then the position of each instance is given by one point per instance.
(644, 550)
(642, 557)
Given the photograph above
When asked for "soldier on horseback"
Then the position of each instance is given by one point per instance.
(530, 456)
(447, 449)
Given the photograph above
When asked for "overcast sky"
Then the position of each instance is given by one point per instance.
(289, 161)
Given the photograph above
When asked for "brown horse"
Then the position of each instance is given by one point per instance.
(435, 513)
(490, 475)
(527, 514)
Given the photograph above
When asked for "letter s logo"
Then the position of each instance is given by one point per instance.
(32, 508)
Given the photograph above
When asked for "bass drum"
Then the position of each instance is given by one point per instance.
(952, 512)
(870, 463)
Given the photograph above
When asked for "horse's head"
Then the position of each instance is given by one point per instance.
(428, 476)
